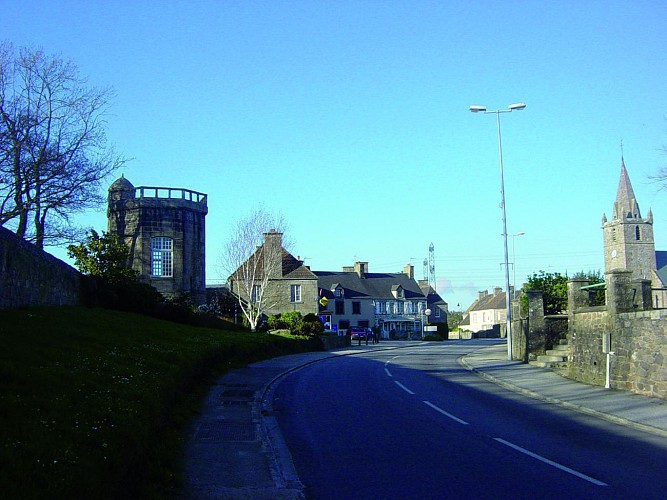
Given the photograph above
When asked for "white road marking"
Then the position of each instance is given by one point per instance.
(552, 463)
(403, 387)
(388, 373)
(446, 414)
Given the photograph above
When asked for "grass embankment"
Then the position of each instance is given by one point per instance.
(94, 403)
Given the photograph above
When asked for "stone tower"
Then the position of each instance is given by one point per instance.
(628, 238)
(164, 228)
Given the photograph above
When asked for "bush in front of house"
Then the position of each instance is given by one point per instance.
(297, 324)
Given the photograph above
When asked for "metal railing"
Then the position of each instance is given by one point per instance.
(170, 193)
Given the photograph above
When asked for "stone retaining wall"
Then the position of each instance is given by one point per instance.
(31, 277)
(638, 337)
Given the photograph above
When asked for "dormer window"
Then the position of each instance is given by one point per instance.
(397, 292)
(338, 292)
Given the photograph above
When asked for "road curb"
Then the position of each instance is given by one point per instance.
(283, 471)
(541, 397)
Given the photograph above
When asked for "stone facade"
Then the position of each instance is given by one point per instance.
(164, 228)
(30, 277)
(280, 272)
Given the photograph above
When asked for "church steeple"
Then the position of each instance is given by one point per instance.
(625, 206)
(628, 239)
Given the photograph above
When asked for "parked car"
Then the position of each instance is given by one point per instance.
(359, 333)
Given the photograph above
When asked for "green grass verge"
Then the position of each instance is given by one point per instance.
(94, 403)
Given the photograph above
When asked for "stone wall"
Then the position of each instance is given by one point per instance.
(536, 333)
(587, 363)
(639, 342)
(31, 277)
(638, 338)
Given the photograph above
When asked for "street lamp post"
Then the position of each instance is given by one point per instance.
(514, 262)
(508, 312)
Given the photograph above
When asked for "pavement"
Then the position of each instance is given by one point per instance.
(235, 449)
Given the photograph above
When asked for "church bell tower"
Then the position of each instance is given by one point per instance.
(628, 238)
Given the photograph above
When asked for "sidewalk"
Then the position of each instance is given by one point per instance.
(235, 449)
(625, 408)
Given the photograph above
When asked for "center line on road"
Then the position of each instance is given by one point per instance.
(446, 414)
(552, 463)
(388, 373)
(403, 387)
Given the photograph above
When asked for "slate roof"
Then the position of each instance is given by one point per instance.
(371, 286)
(294, 269)
(491, 301)
(661, 265)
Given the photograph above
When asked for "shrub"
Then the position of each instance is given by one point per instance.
(311, 325)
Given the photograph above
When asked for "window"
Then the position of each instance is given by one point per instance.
(162, 252)
(295, 293)
(338, 292)
(637, 234)
(256, 293)
(356, 307)
(437, 312)
(408, 308)
(340, 307)
(379, 307)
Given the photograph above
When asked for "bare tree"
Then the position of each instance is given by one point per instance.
(253, 257)
(661, 176)
(53, 148)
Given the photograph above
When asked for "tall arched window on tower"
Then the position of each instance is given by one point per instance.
(162, 257)
(638, 235)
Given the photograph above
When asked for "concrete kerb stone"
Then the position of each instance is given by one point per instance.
(547, 399)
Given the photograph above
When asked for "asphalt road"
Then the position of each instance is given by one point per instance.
(411, 423)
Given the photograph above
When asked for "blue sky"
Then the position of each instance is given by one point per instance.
(350, 118)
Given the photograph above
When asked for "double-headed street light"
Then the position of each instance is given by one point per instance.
(482, 109)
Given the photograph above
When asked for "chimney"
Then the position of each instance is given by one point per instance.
(273, 242)
(497, 291)
(409, 269)
(361, 268)
(481, 294)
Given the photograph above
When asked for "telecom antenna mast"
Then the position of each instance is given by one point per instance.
(431, 266)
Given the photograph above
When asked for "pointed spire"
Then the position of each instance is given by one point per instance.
(625, 206)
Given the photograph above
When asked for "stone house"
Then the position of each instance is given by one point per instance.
(288, 284)
(485, 312)
(393, 302)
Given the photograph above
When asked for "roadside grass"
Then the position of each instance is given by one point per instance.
(94, 403)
